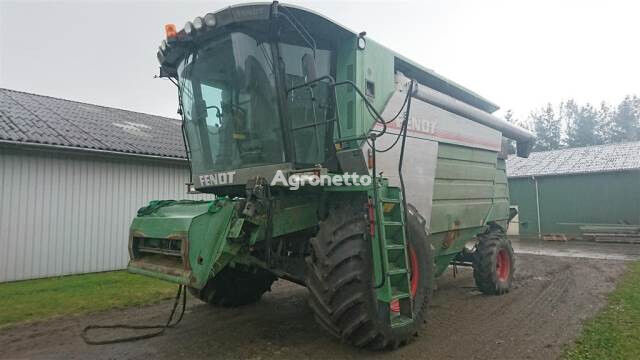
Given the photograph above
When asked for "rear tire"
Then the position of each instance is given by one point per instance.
(235, 287)
(493, 263)
(340, 280)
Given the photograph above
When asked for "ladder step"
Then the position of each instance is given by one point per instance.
(389, 200)
(395, 247)
(396, 272)
(392, 223)
(399, 295)
(400, 320)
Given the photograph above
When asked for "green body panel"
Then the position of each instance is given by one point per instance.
(470, 190)
(295, 213)
(200, 226)
(375, 66)
(169, 220)
(613, 197)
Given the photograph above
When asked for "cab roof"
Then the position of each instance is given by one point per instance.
(331, 30)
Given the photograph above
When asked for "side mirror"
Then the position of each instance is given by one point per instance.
(309, 67)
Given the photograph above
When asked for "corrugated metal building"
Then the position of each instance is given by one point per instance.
(72, 176)
(556, 191)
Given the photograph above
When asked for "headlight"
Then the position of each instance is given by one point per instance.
(210, 20)
(188, 28)
(198, 23)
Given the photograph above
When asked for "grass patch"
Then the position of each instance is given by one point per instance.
(615, 332)
(39, 299)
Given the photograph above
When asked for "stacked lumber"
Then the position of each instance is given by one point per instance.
(611, 233)
(554, 237)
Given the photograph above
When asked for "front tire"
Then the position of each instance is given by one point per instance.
(493, 263)
(340, 280)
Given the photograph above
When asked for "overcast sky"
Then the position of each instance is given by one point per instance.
(518, 54)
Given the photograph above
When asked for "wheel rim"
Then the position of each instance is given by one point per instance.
(503, 265)
(415, 275)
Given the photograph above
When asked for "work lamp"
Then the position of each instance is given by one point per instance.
(188, 28)
(198, 23)
(210, 20)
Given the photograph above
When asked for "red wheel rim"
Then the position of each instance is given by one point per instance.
(415, 275)
(503, 265)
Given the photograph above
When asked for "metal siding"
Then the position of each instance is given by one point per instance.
(65, 213)
(522, 193)
(587, 198)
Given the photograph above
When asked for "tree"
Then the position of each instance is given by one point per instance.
(511, 147)
(526, 124)
(605, 122)
(625, 121)
(582, 124)
(547, 127)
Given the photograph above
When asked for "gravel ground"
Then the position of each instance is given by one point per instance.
(551, 297)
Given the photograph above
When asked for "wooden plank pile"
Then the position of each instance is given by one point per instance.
(620, 233)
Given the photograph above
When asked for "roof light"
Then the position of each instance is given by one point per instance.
(170, 30)
(198, 23)
(210, 20)
(188, 28)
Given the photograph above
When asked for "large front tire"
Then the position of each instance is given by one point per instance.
(340, 279)
(235, 287)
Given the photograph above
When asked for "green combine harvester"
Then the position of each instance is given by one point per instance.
(337, 164)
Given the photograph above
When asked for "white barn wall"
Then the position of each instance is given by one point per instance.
(69, 212)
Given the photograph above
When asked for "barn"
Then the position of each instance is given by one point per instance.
(571, 193)
(72, 176)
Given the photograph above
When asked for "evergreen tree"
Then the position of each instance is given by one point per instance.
(547, 127)
(605, 122)
(511, 146)
(582, 124)
(513, 120)
(625, 122)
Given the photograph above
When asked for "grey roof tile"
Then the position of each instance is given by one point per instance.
(31, 118)
(590, 159)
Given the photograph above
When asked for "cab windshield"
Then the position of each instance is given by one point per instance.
(229, 102)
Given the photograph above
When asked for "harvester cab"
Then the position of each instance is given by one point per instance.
(300, 127)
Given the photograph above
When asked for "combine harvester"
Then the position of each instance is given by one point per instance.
(278, 104)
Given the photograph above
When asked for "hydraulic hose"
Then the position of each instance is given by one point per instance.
(162, 327)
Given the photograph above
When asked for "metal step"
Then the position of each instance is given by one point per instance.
(389, 200)
(399, 295)
(396, 271)
(400, 321)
